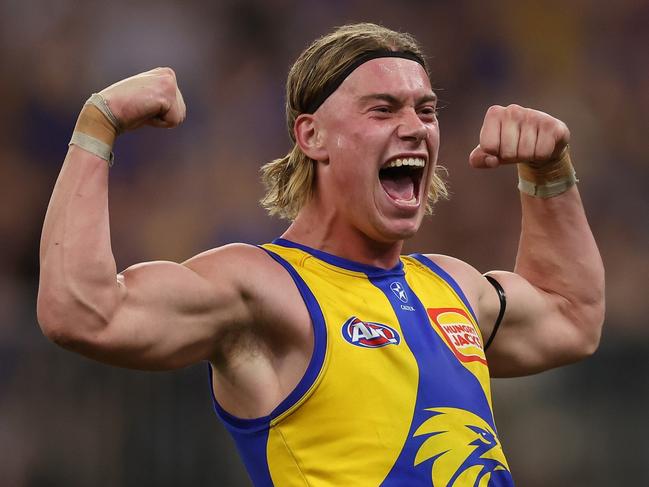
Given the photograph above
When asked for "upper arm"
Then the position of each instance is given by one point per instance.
(539, 330)
(170, 315)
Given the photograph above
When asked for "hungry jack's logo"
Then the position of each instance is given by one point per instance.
(459, 332)
(368, 334)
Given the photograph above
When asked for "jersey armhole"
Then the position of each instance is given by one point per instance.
(308, 380)
(436, 269)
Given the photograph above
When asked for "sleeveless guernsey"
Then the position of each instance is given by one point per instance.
(397, 390)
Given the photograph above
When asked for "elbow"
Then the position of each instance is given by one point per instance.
(597, 324)
(61, 336)
(591, 343)
(63, 322)
(596, 313)
(48, 313)
(583, 322)
(591, 326)
(55, 320)
(584, 310)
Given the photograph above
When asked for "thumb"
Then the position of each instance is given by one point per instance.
(481, 160)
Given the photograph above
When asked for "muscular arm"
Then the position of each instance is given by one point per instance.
(154, 315)
(555, 296)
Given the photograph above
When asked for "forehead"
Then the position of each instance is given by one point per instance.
(392, 75)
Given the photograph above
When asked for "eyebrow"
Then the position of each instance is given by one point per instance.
(432, 97)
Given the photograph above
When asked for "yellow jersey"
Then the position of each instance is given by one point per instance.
(397, 390)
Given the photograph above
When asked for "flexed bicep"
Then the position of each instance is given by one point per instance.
(537, 331)
(167, 315)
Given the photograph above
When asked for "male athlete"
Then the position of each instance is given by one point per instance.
(336, 361)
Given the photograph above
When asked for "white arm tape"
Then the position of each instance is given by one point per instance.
(549, 189)
(99, 101)
(93, 145)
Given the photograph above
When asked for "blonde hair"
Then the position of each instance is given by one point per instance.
(289, 180)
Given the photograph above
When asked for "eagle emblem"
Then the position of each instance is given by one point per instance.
(464, 448)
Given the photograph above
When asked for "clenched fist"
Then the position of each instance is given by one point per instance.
(149, 98)
(515, 134)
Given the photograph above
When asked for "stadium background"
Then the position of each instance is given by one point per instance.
(66, 421)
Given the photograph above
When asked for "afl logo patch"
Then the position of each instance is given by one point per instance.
(367, 334)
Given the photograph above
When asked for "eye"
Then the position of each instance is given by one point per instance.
(382, 109)
(428, 111)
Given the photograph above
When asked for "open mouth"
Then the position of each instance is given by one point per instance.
(401, 178)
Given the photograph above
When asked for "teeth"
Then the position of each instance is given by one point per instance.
(408, 161)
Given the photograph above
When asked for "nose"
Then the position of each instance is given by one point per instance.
(412, 127)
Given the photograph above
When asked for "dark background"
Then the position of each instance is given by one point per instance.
(66, 421)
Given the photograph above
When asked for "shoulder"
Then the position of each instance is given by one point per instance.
(259, 279)
(235, 260)
(467, 276)
(478, 290)
(246, 273)
(237, 253)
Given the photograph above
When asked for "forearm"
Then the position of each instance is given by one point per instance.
(78, 287)
(558, 254)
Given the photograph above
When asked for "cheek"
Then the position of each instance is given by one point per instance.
(341, 143)
(433, 141)
(348, 154)
(339, 139)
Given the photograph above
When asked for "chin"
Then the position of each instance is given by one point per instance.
(399, 229)
(408, 232)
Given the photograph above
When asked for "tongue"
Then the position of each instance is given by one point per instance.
(399, 188)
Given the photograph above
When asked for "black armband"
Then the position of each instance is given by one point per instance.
(503, 305)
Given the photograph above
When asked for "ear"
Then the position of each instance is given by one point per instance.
(309, 137)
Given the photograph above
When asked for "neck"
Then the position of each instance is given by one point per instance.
(324, 231)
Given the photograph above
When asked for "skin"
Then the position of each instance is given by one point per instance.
(218, 306)
(385, 109)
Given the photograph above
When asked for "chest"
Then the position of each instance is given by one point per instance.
(396, 324)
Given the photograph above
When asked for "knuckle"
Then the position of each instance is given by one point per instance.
(548, 124)
(166, 70)
(495, 110)
(530, 117)
(167, 87)
(515, 112)
(563, 130)
(167, 78)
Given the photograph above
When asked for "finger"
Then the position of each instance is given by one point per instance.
(172, 114)
(545, 145)
(553, 136)
(527, 142)
(482, 160)
(182, 108)
(490, 132)
(509, 137)
(160, 123)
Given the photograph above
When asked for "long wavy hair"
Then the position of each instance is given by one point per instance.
(289, 180)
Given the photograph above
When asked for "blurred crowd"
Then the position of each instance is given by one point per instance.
(65, 421)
